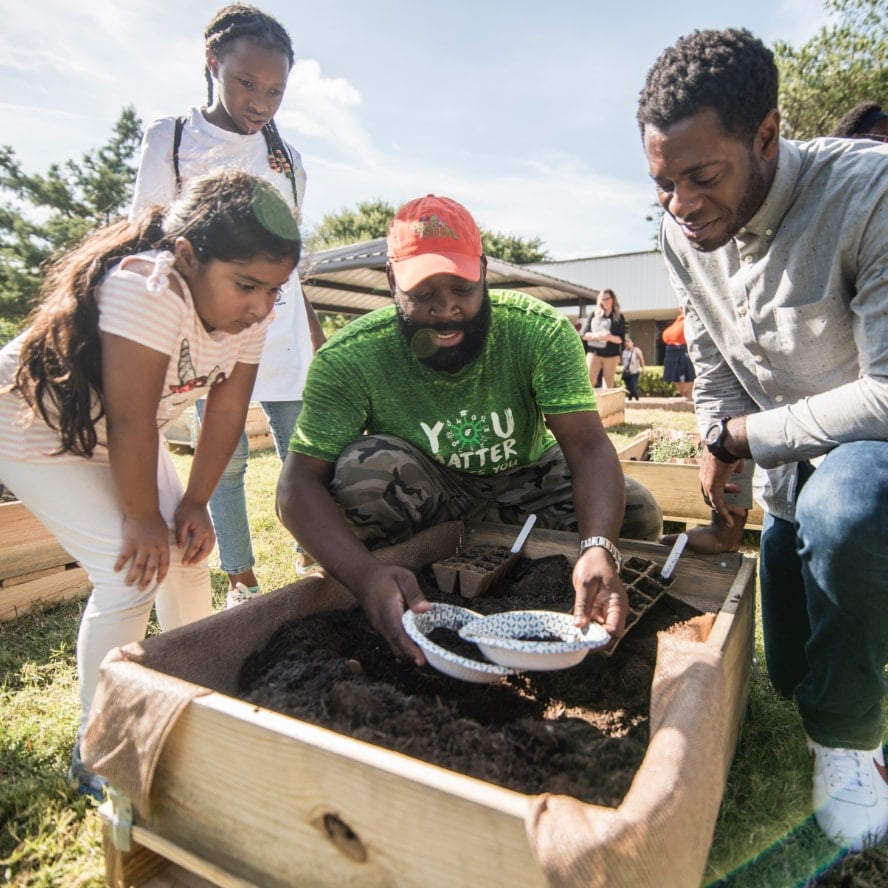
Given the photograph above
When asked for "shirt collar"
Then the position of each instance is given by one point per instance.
(770, 214)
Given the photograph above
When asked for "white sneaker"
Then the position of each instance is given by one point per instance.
(241, 594)
(850, 794)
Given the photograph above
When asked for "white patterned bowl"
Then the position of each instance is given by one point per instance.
(449, 616)
(505, 639)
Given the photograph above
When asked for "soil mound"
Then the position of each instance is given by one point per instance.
(581, 731)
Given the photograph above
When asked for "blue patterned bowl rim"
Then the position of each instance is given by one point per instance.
(447, 616)
(504, 631)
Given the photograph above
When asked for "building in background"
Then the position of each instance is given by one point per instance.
(641, 283)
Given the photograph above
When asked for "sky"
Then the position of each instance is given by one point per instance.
(523, 111)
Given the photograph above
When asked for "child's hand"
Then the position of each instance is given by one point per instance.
(146, 548)
(194, 532)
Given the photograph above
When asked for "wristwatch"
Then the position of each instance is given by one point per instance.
(604, 543)
(714, 439)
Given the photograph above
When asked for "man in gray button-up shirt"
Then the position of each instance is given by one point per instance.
(778, 252)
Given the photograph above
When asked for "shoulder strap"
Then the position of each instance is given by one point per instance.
(177, 141)
(279, 157)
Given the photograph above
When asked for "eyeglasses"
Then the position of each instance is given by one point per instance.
(877, 137)
(606, 299)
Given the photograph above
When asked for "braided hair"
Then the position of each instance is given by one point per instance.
(238, 20)
(227, 216)
(730, 71)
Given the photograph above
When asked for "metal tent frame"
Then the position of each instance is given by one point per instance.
(352, 280)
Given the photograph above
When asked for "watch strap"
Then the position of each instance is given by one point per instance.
(717, 448)
(604, 543)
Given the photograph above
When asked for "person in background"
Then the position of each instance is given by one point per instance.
(867, 120)
(633, 365)
(677, 366)
(248, 58)
(137, 323)
(492, 418)
(603, 332)
(778, 253)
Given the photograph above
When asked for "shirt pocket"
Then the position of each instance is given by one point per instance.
(818, 336)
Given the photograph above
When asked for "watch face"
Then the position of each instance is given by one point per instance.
(713, 433)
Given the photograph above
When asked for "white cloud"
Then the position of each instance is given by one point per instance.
(325, 108)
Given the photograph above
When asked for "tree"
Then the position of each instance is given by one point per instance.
(840, 66)
(511, 248)
(371, 220)
(50, 213)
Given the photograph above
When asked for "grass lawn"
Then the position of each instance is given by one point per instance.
(50, 837)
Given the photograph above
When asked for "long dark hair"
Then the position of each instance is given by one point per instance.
(239, 20)
(227, 216)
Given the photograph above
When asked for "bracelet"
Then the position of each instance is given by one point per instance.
(604, 543)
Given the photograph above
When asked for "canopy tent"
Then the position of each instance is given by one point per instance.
(352, 280)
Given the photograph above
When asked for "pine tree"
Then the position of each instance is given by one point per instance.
(48, 213)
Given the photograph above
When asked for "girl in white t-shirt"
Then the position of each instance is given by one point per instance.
(137, 323)
(247, 64)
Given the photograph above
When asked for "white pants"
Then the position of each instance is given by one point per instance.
(78, 503)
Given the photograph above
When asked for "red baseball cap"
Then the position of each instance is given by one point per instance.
(433, 235)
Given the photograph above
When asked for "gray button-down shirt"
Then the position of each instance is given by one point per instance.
(787, 323)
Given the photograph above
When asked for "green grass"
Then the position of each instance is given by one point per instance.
(51, 837)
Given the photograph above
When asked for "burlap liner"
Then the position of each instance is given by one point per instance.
(660, 834)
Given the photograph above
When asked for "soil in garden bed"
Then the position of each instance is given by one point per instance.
(582, 731)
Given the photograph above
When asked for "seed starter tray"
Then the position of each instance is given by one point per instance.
(473, 571)
(644, 586)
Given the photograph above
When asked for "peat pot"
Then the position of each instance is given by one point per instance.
(233, 794)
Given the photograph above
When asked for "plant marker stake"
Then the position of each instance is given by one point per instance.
(672, 560)
(525, 533)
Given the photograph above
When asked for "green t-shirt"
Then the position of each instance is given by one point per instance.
(484, 419)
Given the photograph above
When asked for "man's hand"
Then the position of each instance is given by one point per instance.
(388, 592)
(600, 595)
(717, 537)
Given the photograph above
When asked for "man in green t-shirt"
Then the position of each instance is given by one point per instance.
(455, 403)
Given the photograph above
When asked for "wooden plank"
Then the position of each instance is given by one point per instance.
(125, 868)
(326, 801)
(637, 447)
(26, 545)
(676, 488)
(30, 577)
(611, 405)
(155, 862)
(734, 634)
(21, 598)
(175, 876)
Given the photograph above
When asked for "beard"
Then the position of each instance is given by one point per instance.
(753, 197)
(452, 359)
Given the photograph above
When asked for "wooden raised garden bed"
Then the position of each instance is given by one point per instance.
(34, 568)
(675, 485)
(182, 433)
(611, 406)
(245, 796)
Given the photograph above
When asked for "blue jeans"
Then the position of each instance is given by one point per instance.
(631, 381)
(824, 596)
(228, 504)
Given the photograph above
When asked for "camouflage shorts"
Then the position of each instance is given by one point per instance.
(388, 489)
